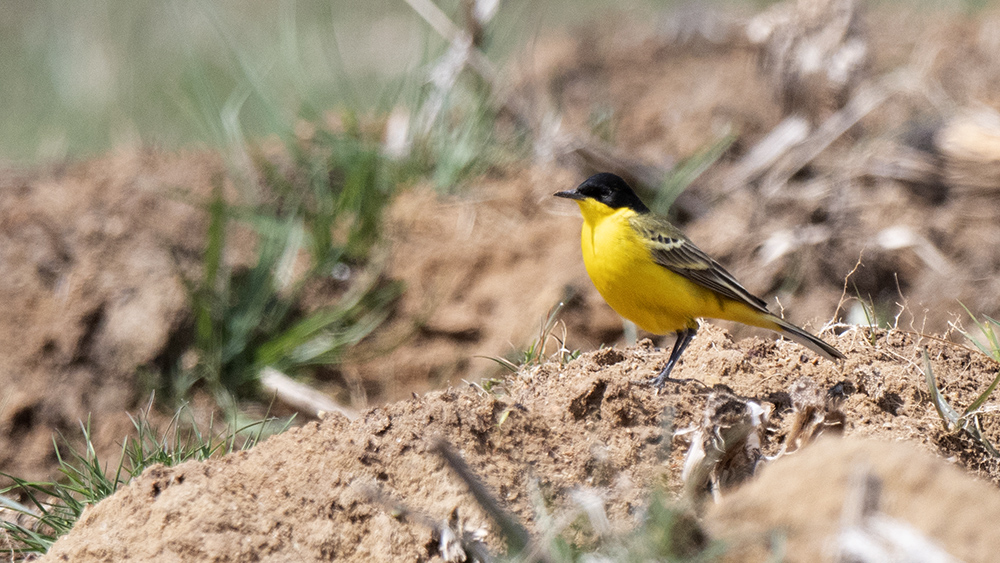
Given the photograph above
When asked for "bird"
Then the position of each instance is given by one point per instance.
(651, 274)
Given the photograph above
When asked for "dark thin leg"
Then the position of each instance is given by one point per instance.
(683, 339)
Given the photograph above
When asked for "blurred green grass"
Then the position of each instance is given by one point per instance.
(83, 78)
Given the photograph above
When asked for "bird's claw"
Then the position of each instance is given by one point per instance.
(658, 382)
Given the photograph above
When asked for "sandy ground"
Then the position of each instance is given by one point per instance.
(92, 253)
(366, 490)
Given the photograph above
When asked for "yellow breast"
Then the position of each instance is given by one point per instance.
(621, 267)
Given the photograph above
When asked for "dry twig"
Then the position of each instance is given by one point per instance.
(300, 396)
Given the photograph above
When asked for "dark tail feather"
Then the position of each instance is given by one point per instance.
(814, 343)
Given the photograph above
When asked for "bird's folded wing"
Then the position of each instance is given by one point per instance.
(674, 252)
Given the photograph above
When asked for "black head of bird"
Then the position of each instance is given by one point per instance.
(609, 190)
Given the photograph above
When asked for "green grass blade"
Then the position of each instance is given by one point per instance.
(974, 407)
(976, 432)
(505, 363)
(991, 347)
(949, 416)
(687, 171)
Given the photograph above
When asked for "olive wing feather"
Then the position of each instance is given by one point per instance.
(672, 250)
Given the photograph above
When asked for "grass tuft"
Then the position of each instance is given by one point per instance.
(968, 421)
(988, 328)
(50, 509)
(326, 211)
(322, 195)
(536, 352)
(868, 313)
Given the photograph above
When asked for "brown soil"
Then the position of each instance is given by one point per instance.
(481, 271)
(92, 292)
(927, 494)
(314, 492)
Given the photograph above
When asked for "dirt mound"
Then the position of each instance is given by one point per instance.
(90, 292)
(312, 493)
(481, 272)
(803, 498)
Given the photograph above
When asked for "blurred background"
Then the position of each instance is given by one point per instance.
(80, 79)
(242, 210)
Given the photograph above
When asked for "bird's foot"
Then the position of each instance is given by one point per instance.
(659, 381)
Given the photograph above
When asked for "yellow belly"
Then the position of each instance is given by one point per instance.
(651, 296)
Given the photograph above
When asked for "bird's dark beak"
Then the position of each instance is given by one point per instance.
(570, 195)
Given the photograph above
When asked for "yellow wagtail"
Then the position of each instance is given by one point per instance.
(651, 274)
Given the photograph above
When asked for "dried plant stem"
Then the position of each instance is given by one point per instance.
(300, 396)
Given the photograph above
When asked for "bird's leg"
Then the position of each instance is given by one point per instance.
(683, 339)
